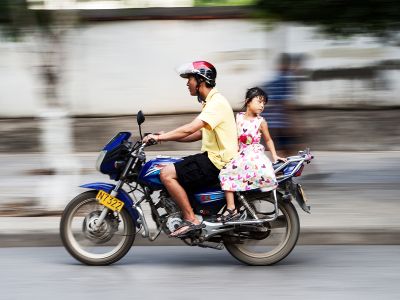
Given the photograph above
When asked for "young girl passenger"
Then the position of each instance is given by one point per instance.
(251, 168)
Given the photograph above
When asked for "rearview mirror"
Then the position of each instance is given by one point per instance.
(140, 117)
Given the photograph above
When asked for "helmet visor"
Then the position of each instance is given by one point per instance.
(186, 69)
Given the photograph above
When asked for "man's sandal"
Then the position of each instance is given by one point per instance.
(185, 227)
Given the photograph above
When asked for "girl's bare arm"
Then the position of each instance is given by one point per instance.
(269, 142)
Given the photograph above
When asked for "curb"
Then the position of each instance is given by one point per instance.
(307, 237)
(350, 236)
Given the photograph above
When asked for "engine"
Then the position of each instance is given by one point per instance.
(173, 217)
(167, 203)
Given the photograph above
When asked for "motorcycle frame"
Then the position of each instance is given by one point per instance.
(210, 229)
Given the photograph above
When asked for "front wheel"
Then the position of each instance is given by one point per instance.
(91, 244)
(268, 244)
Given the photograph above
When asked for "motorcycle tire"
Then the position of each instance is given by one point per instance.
(86, 257)
(269, 258)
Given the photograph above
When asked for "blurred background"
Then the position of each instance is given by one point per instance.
(75, 72)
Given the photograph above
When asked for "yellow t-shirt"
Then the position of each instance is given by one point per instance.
(219, 135)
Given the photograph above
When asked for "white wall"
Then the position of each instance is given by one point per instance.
(121, 67)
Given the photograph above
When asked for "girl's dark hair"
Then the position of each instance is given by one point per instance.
(255, 92)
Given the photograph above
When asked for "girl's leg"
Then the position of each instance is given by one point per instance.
(231, 213)
(230, 200)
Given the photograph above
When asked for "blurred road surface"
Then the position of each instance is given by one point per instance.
(309, 272)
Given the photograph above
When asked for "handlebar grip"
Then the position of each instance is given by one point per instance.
(151, 142)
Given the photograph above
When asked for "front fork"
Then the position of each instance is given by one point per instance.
(141, 220)
(114, 192)
(105, 210)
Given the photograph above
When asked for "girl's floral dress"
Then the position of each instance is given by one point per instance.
(250, 168)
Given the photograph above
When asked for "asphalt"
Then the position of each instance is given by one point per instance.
(354, 198)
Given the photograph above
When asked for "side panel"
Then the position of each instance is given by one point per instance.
(122, 195)
(208, 201)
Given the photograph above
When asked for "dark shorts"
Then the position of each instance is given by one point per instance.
(196, 171)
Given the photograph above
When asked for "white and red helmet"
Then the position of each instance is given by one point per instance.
(201, 70)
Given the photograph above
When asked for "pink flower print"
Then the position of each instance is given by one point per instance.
(246, 167)
(234, 186)
(246, 139)
(247, 176)
(231, 178)
(239, 177)
(223, 179)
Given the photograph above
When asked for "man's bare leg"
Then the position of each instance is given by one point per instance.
(170, 180)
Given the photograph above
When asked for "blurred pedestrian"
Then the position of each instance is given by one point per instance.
(279, 115)
(250, 168)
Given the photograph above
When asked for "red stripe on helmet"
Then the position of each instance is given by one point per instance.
(198, 64)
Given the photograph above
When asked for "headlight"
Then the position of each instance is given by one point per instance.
(100, 158)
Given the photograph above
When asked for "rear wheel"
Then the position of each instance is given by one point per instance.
(91, 244)
(268, 244)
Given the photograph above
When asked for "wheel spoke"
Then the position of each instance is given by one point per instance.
(280, 222)
(91, 243)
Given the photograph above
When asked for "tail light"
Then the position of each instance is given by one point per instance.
(298, 173)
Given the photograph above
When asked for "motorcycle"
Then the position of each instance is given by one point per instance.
(99, 226)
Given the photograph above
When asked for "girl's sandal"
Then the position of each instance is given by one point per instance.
(229, 215)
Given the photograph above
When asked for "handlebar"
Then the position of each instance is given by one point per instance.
(151, 142)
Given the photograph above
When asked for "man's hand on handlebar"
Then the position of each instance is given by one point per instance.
(150, 139)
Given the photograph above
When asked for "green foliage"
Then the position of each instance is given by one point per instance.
(13, 17)
(17, 20)
(223, 2)
(338, 17)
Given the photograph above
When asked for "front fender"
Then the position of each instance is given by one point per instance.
(122, 195)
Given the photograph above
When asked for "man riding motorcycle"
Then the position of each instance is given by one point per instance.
(215, 126)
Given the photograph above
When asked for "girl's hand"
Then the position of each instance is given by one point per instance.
(278, 158)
